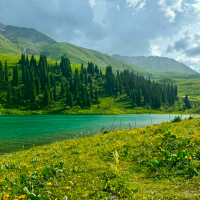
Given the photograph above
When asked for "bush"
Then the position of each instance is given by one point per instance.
(176, 119)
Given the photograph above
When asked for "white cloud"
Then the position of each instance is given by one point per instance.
(100, 9)
(92, 3)
(193, 62)
(154, 49)
(196, 5)
(170, 8)
(138, 4)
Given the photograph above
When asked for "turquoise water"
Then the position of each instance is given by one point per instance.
(22, 132)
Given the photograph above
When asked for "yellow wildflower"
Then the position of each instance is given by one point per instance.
(68, 188)
(22, 197)
(1, 180)
(49, 184)
(5, 196)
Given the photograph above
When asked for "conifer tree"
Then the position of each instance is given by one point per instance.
(1, 73)
(15, 77)
(46, 96)
(96, 96)
(133, 99)
(38, 85)
(33, 93)
(91, 92)
(89, 102)
(67, 96)
(19, 95)
(63, 89)
(9, 94)
(6, 71)
(71, 101)
(54, 90)
(86, 78)
(187, 102)
(139, 97)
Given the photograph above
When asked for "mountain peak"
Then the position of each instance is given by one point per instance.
(29, 34)
(156, 63)
(2, 27)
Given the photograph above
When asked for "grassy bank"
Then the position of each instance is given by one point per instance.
(155, 162)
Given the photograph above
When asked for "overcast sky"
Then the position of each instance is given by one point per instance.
(169, 28)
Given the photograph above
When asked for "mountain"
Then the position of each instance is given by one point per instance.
(157, 64)
(78, 54)
(6, 46)
(32, 42)
(29, 34)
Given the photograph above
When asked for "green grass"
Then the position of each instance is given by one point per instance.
(155, 162)
(22, 43)
(6, 46)
(110, 105)
(189, 87)
(81, 55)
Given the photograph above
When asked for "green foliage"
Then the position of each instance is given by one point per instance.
(176, 119)
(142, 163)
(41, 84)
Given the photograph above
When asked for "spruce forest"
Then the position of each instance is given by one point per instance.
(36, 85)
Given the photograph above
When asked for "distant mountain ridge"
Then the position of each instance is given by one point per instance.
(17, 40)
(157, 64)
(27, 33)
(32, 42)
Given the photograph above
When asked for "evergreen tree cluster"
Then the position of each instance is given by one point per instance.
(140, 91)
(42, 84)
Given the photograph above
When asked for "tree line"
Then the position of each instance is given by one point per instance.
(140, 91)
(40, 83)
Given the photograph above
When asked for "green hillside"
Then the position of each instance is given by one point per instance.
(81, 55)
(27, 33)
(6, 46)
(40, 85)
(13, 59)
(157, 64)
(154, 162)
(32, 42)
(25, 45)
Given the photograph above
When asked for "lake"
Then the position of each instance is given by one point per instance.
(22, 132)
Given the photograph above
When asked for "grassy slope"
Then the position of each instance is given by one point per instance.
(111, 105)
(189, 87)
(6, 46)
(23, 43)
(143, 163)
(157, 64)
(13, 59)
(78, 55)
(107, 106)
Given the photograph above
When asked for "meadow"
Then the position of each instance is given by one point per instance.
(154, 162)
(108, 105)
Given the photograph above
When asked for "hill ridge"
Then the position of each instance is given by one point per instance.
(30, 34)
(155, 63)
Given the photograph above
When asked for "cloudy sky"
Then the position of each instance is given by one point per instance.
(169, 28)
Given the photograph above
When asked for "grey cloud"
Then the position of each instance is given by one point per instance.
(169, 49)
(193, 51)
(181, 44)
(72, 21)
(125, 31)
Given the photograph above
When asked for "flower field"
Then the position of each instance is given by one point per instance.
(155, 162)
